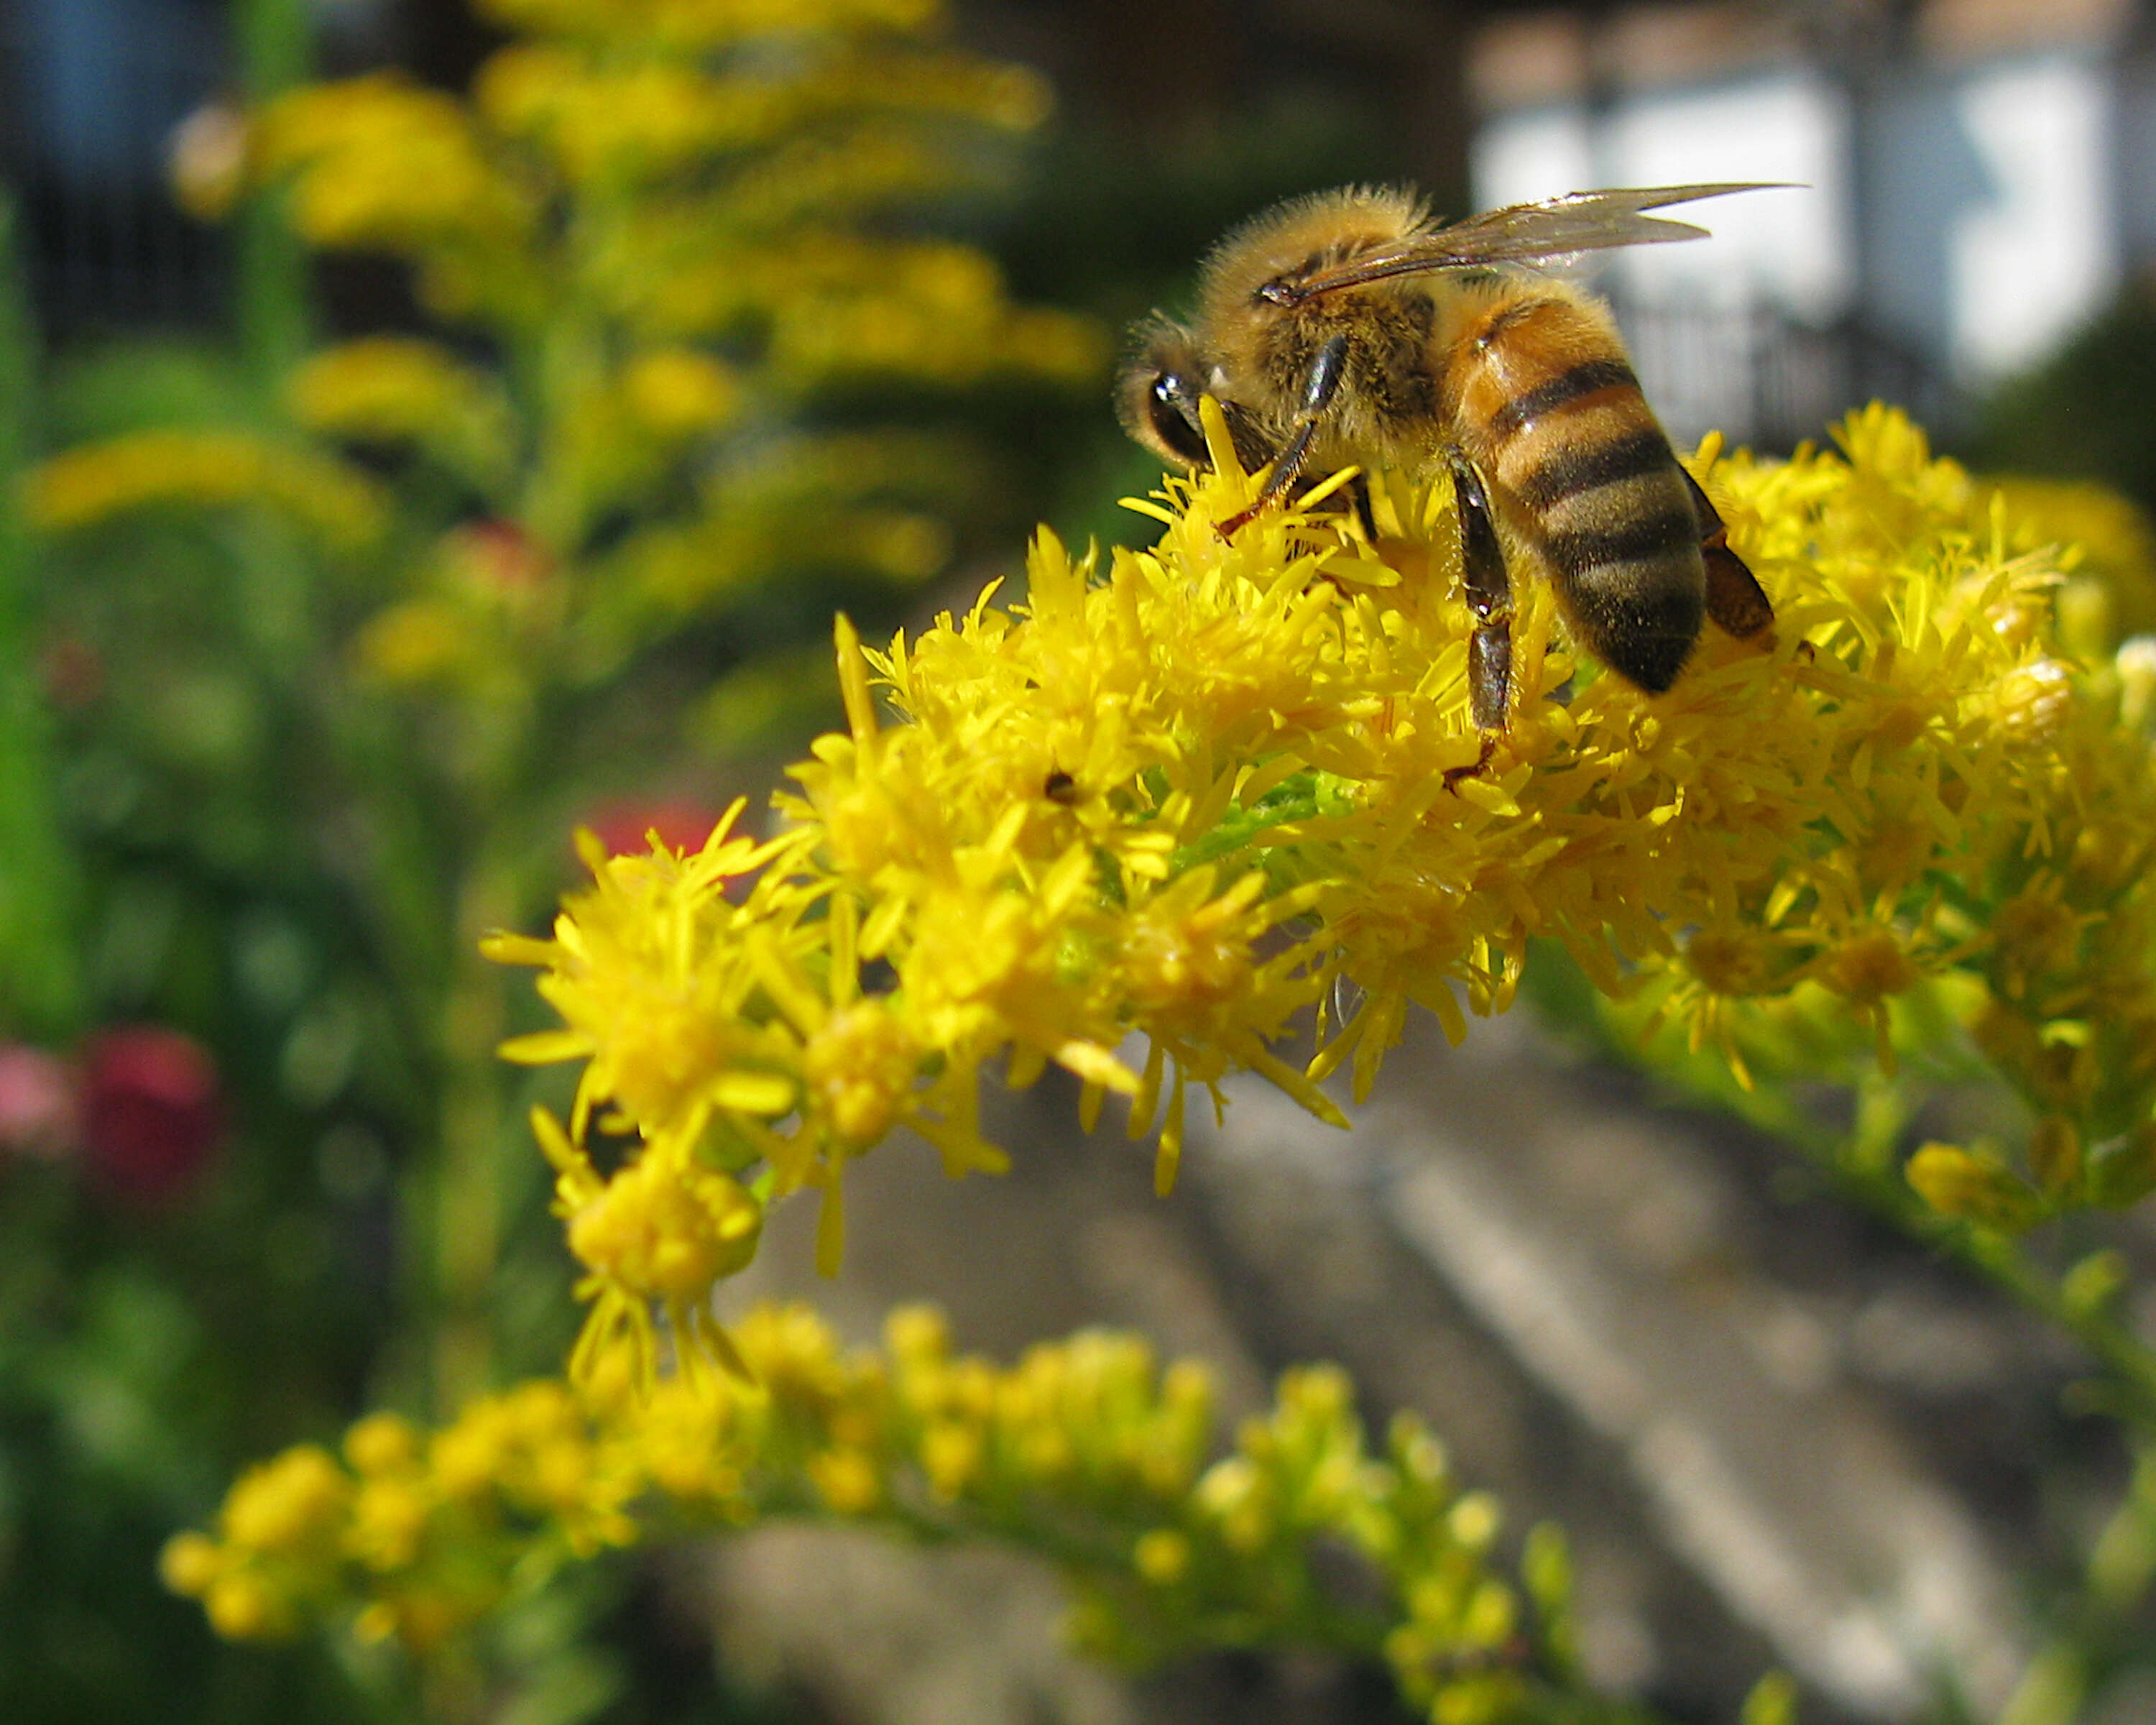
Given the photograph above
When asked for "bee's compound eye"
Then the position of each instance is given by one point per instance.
(1171, 406)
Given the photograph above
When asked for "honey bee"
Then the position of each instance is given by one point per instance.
(1346, 326)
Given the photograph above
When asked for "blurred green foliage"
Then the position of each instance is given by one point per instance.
(311, 656)
(2084, 414)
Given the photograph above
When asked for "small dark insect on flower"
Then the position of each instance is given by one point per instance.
(1347, 327)
(1061, 787)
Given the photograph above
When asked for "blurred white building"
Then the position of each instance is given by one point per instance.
(1978, 175)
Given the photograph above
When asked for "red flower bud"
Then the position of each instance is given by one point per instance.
(500, 554)
(73, 671)
(150, 1111)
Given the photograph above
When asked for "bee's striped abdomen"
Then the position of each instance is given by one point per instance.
(1550, 409)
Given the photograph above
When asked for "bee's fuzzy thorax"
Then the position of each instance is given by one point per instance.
(1322, 227)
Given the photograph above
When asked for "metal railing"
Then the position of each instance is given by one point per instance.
(1764, 379)
(90, 91)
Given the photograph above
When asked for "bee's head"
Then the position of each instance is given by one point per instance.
(1158, 393)
(1158, 396)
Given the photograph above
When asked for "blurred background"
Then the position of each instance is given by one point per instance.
(1979, 172)
(446, 463)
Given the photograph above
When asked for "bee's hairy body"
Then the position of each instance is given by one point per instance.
(1516, 380)
(1388, 401)
(1543, 400)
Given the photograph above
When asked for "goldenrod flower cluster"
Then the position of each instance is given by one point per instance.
(1142, 820)
(1086, 1451)
(1136, 822)
(686, 172)
(193, 469)
(674, 227)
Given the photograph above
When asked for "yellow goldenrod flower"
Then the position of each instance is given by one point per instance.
(384, 387)
(677, 391)
(389, 1523)
(401, 390)
(664, 1230)
(1970, 1184)
(189, 1564)
(244, 1607)
(203, 470)
(1141, 818)
(288, 1508)
(2110, 593)
(620, 123)
(937, 312)
(381, 1444)
(1189, 795)
(643, 963)
(1084, 1449)
(1161, 1557)
(861, 1063)
(378, 161)
(710, 23)
(415, 642)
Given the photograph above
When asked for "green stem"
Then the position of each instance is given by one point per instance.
(272, 40)
(275, 53)
(467, 1222)
(1101, 1548)
(1312, 1623)
(2103, 1617)
(1876, 1183)
(39, 963)
(2110, 1342)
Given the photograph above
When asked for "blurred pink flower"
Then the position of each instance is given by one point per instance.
(38, 1115)
(680, 823)
(150, 1111)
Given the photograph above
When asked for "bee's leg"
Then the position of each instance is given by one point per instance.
(1351, 500)
(1489, 596)
(1318, 389)
(1735, 600)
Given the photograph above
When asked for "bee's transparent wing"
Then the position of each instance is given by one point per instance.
(1577, 222)
(1542, 233)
